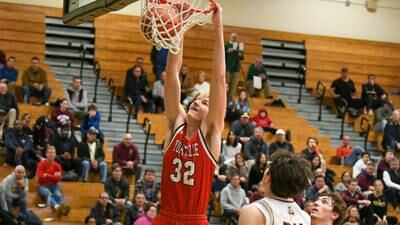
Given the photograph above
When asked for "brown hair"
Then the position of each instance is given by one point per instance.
(290, 174)
(338, 206)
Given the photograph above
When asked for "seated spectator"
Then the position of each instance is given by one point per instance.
(34, 82)
(353, 197)
(384, 163)
(89, 220)
(391, 133)
(372, 95)
(136, 88)
(19, 149)
(136, 209)
(149, 213)
(2, 59)
(186, 81)
(26, 123)
(243, 128)
(77, 98)
(255, 145)
(230, 147)
(9, 74)
(64, 144)
(262, 120)
(127, 156)
(61, 116)
(148, 185)
(318, 165)
(43, 132)
(312, 149)
(343, 88)
(242, 104)
(48, 178)
(379, 203)
(3, 129)
(91, 154)
(117, 188)
(239, 167)
(202, 87)
(8, 103)
(257, 170)
(348, 154)
(352, 216)
(327, 208)
(92, 119)
(158, 93)
(382, 116)
(342, 186)
(317, 188)
(220, 179)
(258, 194)
(14, 190)
(257, 69)
(281, 143)
(367, 178)
(361, 164)
(391, 179)
(104, 211)
(233, 198)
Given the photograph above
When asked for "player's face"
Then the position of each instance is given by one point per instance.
(322, 209)
(199, 108)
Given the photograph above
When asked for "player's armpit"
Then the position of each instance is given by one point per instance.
(250, 215)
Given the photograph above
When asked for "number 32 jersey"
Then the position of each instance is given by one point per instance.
(187, 174)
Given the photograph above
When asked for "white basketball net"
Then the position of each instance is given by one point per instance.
(164, 22)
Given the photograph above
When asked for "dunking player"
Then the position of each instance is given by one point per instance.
(194, 141)
(286, 176)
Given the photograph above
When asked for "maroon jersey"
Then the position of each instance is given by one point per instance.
(187, 174)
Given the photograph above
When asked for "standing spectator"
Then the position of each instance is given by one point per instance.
(391, 178)
(319, 187)
(233, 198)
(61, 116)
(150, 212)
(230, 147)
(135, 210)
(361, 164)
(117, 188)
(344, 88)
(148, 185)
(353, 197)
(127, 156)
(158, 93)
(367, 178)
(372, 95)
(262, 120)
(312, 149)
(347, 153)
(136, 88)
(104, 211)
(48, 178)
(382, 115)
(8, 74)
(92, 119)
(3, 129)
(384, 163)
(34, 82)
(8, 103)
(281, 143)
(239, 167)
(391, 133)
(159, 60)
(91, 154)
(256, 145)
(186, 81)
(257, 170)
(243, 128)
(257, 69)
(65, 154)
(26, 123)
(233, 56)
(77, 98)
(15, 187)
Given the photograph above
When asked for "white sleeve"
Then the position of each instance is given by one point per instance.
(389, 182)
(357, 169)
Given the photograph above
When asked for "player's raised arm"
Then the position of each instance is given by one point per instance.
(172, 94)
(217, 99)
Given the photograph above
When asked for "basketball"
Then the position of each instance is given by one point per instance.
(167, 22)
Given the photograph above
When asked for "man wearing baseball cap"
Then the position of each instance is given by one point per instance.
(280, 143)
(243, 128)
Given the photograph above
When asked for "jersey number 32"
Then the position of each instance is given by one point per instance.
(187, 175)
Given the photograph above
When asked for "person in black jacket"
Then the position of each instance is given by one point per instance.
(104, 212)
(280, 143)
(8, 103)
(256, 145)
(257, 171)
(135, 210)
(391, 133)
(136, 88)
(117, 188)
(372, 95)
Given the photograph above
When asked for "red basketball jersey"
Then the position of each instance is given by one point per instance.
(187, 174)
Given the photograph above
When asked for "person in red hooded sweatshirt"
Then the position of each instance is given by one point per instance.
(262, 120)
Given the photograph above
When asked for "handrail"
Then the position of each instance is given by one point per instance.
(148, 130)
(97, 71)
(130, 107)
(301, 77)
(346, 106)
(365, 131)
(111, 88)
(83, 56)
(321, 96)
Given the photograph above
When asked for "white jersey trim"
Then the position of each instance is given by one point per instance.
(176, 132)
(208, 151)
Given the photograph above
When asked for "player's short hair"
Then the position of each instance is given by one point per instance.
(290, 174)
(338, 206)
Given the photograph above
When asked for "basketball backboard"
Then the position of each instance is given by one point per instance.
(79, 11)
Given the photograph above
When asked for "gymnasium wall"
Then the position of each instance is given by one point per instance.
(321, 17)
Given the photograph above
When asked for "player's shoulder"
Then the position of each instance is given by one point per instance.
(251, 215)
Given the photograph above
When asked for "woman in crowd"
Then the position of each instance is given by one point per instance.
(239, 166)
(230, 147)
(379, 205)
(342, 186)
(150, 212)
(312, 149)
(352, 216)
(257, 171)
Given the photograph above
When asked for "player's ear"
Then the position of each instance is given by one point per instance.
(335, 216)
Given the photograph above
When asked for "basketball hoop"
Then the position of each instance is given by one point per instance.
(164, 22)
